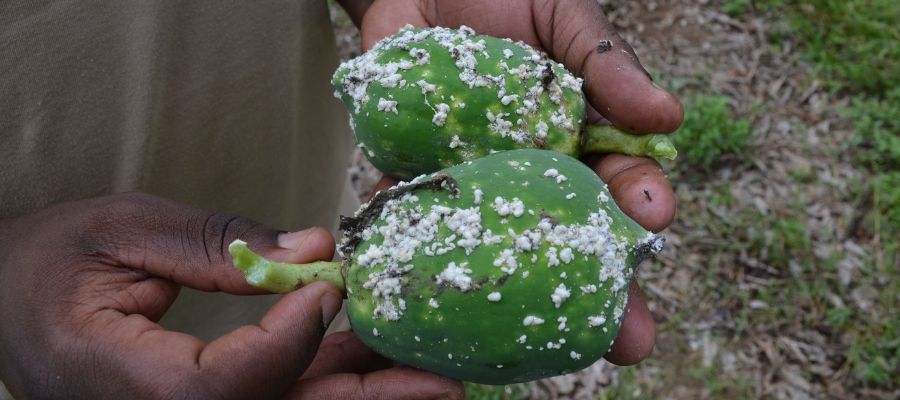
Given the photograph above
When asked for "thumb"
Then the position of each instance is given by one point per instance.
(189, 246)
(266, 360)
(578, 34)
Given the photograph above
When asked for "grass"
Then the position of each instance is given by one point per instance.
(711, 131)
(852, 44)
(854, 47)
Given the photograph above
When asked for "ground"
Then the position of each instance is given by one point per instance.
(780, 274)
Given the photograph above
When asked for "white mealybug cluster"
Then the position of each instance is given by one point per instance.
(455, 142)
(540, 129)
(514, 207)
(456, 276)
(387, 105)
(592, 288)
(440, 114)
(596, 320)
(566, 255)
(426, 87)
(532, 320)
(507, 261)
(479, 195)
(560, 294)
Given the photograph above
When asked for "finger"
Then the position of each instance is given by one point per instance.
(264, 361)
(189, 246)
(343, 352)
(640, 188)
(385, 18)
(260, 361)
(637, 335)
(396, 383)
(304, 246)
(614, 81)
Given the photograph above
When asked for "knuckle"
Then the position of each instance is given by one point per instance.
(110, 222)
(214, 231)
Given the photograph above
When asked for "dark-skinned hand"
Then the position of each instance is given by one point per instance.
(82, 285)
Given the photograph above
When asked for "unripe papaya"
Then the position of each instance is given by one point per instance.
(426, 99)
(504, 269)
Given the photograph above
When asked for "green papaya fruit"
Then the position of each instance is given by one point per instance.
(504, 269)
(426, 99)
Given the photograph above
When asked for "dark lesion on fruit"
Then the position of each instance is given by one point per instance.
(547, 76)
(353, 227)
(544, 215)
(648, 248)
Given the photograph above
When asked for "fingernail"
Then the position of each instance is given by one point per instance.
(331, 304)
(294, 240)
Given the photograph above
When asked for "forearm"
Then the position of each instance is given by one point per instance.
(355, 9)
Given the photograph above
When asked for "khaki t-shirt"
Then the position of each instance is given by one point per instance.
(218, 104)
(223, 105)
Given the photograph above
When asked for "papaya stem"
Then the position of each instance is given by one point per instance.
(279, 277)
(607, 139)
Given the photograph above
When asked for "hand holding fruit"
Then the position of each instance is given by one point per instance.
(84, 283)
(577, 34)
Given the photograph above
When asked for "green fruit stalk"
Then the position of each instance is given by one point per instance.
(504, 269)
(426, 99)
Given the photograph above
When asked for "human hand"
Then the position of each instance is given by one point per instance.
(615, 83)
(82, 285)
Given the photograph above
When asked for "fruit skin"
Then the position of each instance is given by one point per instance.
(468, 336)
(488, 108)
